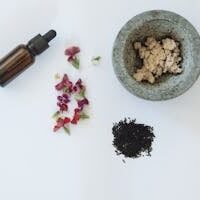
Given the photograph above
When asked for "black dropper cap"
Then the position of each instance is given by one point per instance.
(40, 42)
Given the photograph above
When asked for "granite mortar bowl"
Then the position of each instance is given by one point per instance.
(159, 24)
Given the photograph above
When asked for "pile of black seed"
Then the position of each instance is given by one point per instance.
(131, 139)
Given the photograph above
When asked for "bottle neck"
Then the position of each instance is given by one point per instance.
(40, 42)
(37, 45)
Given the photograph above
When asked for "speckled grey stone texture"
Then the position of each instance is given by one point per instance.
(159, 24)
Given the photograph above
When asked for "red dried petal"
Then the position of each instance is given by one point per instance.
(63, 107)
(60, 123)
(72, 51)
(76, 110)
(67, 120)
(70, 58)
(76, 118)
(68, 84)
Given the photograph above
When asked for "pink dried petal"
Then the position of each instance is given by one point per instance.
(56, 128)
(65, 78)
(69, 85)
(72, 51)
(60, 122)
(63, 83)
(59, 86)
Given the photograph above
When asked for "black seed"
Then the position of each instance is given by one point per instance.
(131, 139)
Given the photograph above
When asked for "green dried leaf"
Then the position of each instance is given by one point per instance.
(80, 95)
(56, 115)
(96, 60)
(66, 130)
(82, 92)
(65, 90)
(84, 116)
(76, 63)
(77, 97)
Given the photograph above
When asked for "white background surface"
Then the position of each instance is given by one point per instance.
(36, 163)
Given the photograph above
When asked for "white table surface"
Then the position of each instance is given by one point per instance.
(36, 163)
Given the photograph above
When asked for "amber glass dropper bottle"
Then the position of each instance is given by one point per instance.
(23, 56)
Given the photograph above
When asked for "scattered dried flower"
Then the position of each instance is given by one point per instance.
(82, 103)
(61, 123)
(96, 60)
(65, 85)
(67, 89)
(72, 52)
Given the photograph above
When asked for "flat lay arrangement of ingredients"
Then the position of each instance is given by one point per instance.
(151, 58)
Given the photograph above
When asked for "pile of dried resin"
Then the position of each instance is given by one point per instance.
(131, 139)
(159, 57)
